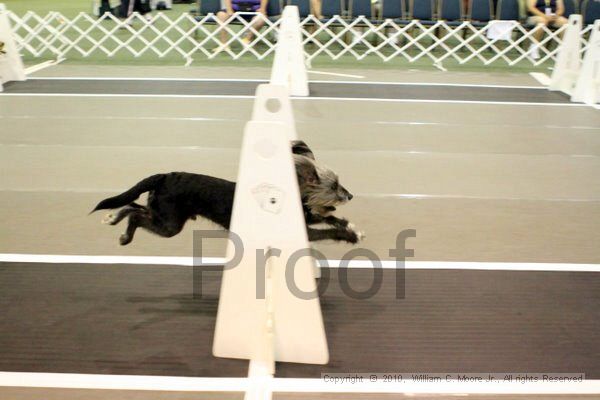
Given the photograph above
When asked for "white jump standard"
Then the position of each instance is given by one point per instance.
(11, 65)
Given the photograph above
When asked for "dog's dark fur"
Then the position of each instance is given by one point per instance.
(178, 196)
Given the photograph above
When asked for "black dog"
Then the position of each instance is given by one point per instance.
(178, 196)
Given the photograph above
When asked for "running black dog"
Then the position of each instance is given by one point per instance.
(178, 196)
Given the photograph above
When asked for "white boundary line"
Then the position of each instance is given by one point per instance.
(191, 96)
(505, 103)
(123, 78)
(542, 78)
(312, 71)
(39, 67)
(285, 385)
(420, 196)
(211, 261)
(171, 96)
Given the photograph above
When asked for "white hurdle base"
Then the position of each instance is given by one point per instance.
(568, 62)
(277, 325)
(289, 68)
(11, 65)
(587, 87)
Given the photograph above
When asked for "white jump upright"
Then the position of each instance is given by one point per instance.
(568, 62)
(261, 316)
(11, 65)
(289, 68)
(587, 87)
(269, 308)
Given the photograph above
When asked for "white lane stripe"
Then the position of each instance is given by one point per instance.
(38, 67)
(106, 117)
(286, 385)
(496, 125)
(168, 96)
(502, 103)
(192, 96)
(83, 78)
(123, 146)
(211, 261)
(411, 123)
(124, 78)
(358, 152)
(541, 78)
(469, 197)
(312, 71)
(434, 84)
(410, 196)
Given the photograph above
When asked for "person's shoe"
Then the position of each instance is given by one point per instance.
(125, 24)
(220, 49)
(394, 38)
(534, 52)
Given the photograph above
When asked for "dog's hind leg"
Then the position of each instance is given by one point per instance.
(141, 219)
(115, 218)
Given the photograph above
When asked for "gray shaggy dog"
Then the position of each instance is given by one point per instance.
(176, 197)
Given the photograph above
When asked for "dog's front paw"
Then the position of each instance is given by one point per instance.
(125, 239)
(344, 223)
(353, 236)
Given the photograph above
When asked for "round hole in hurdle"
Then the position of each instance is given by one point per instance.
(273, 105)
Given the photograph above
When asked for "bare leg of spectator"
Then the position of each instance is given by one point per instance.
(222, 16)
(256, 23)
(560, 21)
(539, 22)
(316, 8)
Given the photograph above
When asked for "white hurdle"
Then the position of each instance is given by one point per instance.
(568, 62)
(11, 65)
(587, 87)
(259, 317)
(289, 68)
(269, 311)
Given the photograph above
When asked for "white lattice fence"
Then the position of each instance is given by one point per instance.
(187, 38)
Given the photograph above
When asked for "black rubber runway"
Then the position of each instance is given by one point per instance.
(328, 90)
(144, 320)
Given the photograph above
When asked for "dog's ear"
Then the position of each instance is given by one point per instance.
(302, 149)
(306, 171)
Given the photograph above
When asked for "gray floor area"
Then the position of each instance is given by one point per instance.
(79, 394)
(478, 182)
(159, 320)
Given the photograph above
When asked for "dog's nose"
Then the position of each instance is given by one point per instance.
(350, 196)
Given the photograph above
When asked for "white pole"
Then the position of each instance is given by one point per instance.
(11, 65)
(587, 87)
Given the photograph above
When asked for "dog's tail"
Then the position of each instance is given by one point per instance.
(145, 185)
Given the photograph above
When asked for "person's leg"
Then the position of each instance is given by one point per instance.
(316, 8)
(257, 22)
(222, 16)
(143, 7)
(539, 22)
(560, 21)
(125, 10)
